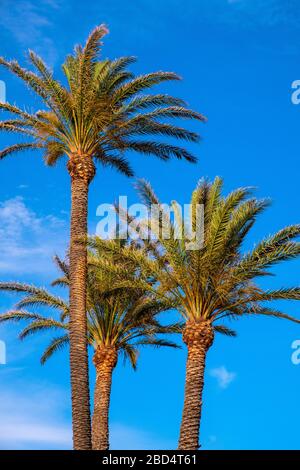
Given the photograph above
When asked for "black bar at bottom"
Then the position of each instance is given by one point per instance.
(136, 459)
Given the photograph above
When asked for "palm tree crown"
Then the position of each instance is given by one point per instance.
(215, 281)
(117, 318)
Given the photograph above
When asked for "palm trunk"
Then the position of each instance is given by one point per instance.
(105, 361)
(198, 338)
(78, 320)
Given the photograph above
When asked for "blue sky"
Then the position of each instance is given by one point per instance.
(238, 59)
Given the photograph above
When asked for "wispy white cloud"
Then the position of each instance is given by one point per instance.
(29, 23)
(27, 240)
(223, 376)
(36, 416)
(33, 417)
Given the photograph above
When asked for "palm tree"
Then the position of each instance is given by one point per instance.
(96, 116)
(119, 323)
(213, 282)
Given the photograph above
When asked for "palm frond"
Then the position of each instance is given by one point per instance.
(224, 330)
(57, 344)
(19, 315)
(18, 148)
(42, 325)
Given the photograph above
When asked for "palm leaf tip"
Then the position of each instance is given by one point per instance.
(92, 42)
(119, 163)
(102, 29)
(56, 344)
(160, 150)
(224, 330)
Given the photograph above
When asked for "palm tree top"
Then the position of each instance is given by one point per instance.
(99, 111)
(217, 280)
(117, 318)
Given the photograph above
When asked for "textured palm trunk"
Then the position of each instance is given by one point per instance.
(198, 338)
(81, 420)
(105, 360)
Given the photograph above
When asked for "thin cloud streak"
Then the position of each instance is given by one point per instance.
(27, 240)
(33, 417)
(29, 24)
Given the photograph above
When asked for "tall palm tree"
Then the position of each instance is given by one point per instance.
(119, 323)
(95, 116)
(213, 282)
